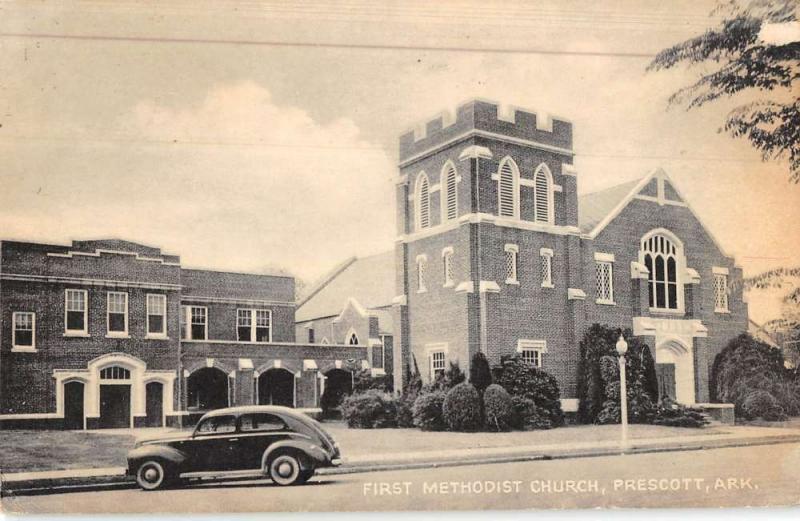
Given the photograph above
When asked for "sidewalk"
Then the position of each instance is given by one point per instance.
(32, 482)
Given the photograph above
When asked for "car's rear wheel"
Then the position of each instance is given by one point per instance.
(285, 469)
(151, 475)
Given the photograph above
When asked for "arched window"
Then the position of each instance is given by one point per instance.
(115, 372)
(352, 338)
(449, 192)
(423, 199)
(662, 255)
(508, 188)
(543, 195)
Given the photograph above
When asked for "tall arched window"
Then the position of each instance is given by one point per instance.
(449, 192)
(543, 195)
(423, 199)
(352, 338)
(508, 188)
(662, 255)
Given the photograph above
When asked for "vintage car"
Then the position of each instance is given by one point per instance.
(279, 442)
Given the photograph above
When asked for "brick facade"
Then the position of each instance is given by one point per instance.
(101, 378)
(483, 311)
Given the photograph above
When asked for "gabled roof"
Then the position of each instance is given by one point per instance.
(368, 280)
(595, 206)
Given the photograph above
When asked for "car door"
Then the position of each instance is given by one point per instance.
(213, 446)
(257, 431)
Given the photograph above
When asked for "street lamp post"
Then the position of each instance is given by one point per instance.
(622, 348)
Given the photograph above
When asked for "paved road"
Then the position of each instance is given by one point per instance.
(756, 476)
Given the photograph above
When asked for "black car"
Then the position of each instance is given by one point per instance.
(279, 442)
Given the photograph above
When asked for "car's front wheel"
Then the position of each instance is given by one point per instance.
(151, 475)
(285, 469)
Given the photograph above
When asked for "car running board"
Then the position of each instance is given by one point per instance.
(252, 473)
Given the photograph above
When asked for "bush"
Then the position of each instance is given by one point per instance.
(671, 414)
(427, 411)
(641, 408)
(364, 381)
(527, 416)
(480, 375)
(498, 411)
(462, 408)
(448, 379)
(405, 404)
(598, 370)
(761, 404)
(521, 379)
(371, 409)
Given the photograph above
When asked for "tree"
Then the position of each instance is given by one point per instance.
(480, 374)
(744, 64)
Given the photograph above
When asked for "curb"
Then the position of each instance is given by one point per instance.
(122, 481)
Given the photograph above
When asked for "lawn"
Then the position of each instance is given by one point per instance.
(28, 451)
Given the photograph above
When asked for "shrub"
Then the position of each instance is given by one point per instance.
(498, 410)
(761, 404)
(480, 375)
(527, 416)
(462, 408)
(598, 368)
(427, 411)
(405, 404)
(521, 379)
(364, 381)
(671, 414)
(448, 379)
(371, 409)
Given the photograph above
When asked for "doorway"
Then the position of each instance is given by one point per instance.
(73, 406)
(154, 404)
(115, 406)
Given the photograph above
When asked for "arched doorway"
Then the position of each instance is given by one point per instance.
(115, 397)
(276, 387)
(154, 404)
(338, 384)
(675, 371)
(207, 389)
(73, 405)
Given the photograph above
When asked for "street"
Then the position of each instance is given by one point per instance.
(732, 477)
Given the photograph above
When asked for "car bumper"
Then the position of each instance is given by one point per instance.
(335, 462)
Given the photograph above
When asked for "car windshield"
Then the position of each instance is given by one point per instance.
(217, 424)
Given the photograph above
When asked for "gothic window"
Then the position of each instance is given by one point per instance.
(449, 192)
(660, 255)
(423, 200)
(508, 188)
(543, 195)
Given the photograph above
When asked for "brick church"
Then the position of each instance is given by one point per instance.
(496, 252)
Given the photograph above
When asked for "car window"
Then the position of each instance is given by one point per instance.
(218, 425)
(261, 422)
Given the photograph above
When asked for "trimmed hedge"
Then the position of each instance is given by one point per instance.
(522, 380)
(480, 374)
(371, 409)
(462, 408)
(498, 411)
(527, 415)
(762, 404)
(427, 411)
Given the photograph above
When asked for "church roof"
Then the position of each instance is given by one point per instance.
(595, 206)
(368, 280)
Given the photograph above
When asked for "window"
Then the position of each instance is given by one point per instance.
(546, 261)
(437, 366)
(352, 338)
(660, 257)
(720, 290)
(117, 313)
(508, 189)
(253, 325)
(311, 335)
(531, 351)
(449, 179)
(115, 372)
(197, 321)
(605, 282)
(377, 355)
(261, 423)
(421, 262)
(157, 315)
(511, 263)
(423, 200)
(217, 425)
(447, 266)
(542, 200)
(75, 319)
(23, 331)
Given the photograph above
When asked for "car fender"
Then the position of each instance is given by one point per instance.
(169, 454)
(314, 452)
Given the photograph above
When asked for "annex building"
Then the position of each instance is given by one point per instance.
(496, 252)
(110, 333)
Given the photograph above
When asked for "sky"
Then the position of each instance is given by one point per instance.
(255, 136)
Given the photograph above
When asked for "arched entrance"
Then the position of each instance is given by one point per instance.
(73, 405)
(115, 398)
(338, 384)
(154, 404)
(675, 371)
(207, 389)
(276, 386)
